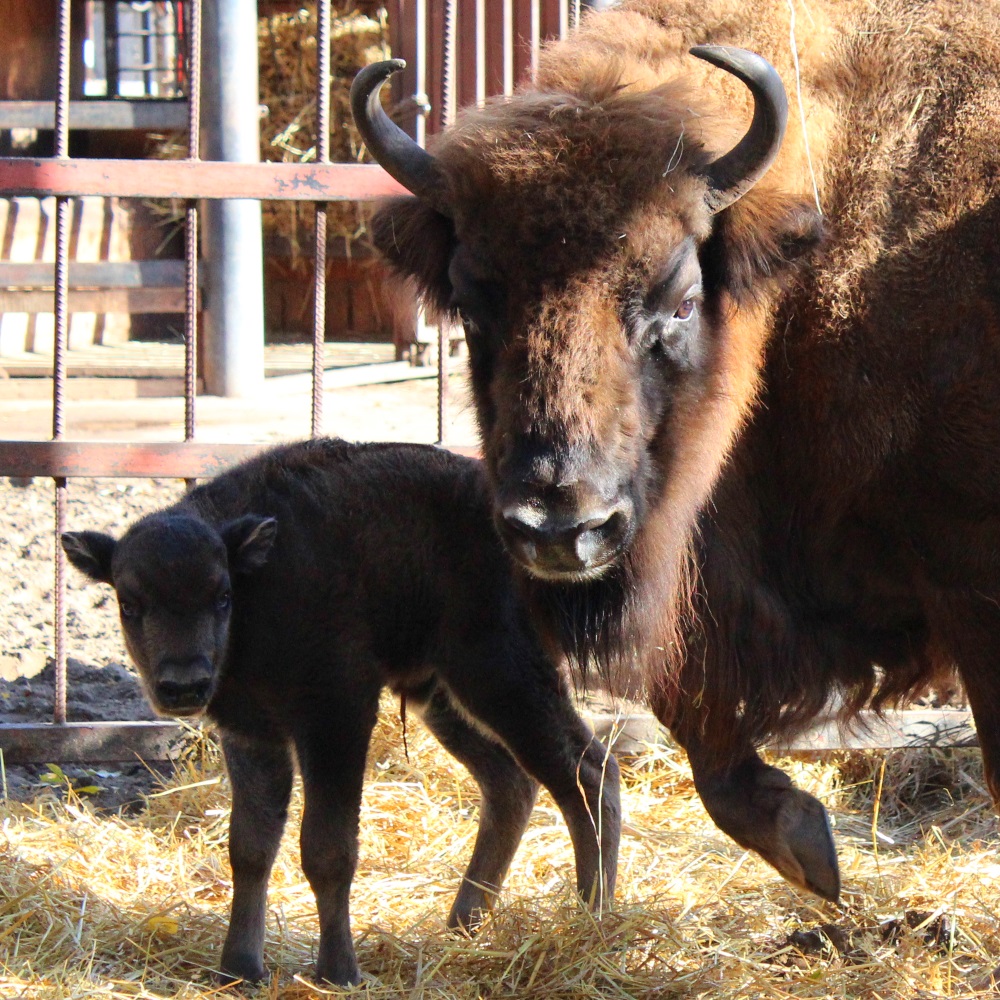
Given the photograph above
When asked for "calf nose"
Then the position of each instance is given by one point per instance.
(564, 547)
(184, 686)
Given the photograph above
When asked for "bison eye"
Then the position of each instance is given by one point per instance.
(224, 601)
(128, 609)
(685, 309)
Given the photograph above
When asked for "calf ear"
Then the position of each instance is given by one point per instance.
(249, 540)
(418, 242)
(759, 241)
(90, 552)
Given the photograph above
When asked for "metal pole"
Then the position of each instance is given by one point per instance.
(323, 75)
(194, 28)
(232, 247)
(60, 307)
(446, 114)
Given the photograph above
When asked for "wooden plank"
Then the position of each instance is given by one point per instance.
(379, 373)
(87, 742)
(99, 300)
(906, 728)
(897, 730)
(113, 459)
(95, 274)
(122, 114)
(21, 176)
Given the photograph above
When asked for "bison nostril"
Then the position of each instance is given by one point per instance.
(564, 545)
(600, 535)
(183, 687)
(177, 691)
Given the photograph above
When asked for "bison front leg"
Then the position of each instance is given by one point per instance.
(508, 796)
(759, 807)
(261, 777)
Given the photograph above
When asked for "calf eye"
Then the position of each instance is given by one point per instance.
(685, 309)
(224, 601)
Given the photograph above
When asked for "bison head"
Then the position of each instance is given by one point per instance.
(173, 575)
(596, 252)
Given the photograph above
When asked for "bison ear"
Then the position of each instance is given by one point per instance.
(90, 552)
(759, 240)
(418, 242)
(249, 541)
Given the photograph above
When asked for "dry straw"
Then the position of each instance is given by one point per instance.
(135, 906)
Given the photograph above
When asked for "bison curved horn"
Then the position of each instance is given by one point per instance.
(735, 172)
(401, 157)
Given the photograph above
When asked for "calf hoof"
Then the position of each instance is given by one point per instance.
(467, 922)
(238, 966)
(761, 810)
(343, 972)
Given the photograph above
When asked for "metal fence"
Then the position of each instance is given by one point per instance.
(458, 51)
(453, 48)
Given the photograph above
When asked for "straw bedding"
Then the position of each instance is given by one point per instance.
(110, 906)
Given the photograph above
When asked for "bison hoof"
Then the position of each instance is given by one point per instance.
(761, 810)
(803, 848)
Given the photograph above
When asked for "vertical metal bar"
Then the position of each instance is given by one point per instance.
(480, 51)
(423, 108)
(323, 156)
(420, 98)
(446, 116)
(536, 35)
(508, 47)
(574, 14)
(147, 52)
(112, 69)
(60, 307)
(232, 262)
(191, 226)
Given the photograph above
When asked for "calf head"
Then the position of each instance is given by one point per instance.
(597, 255)
(173, 575)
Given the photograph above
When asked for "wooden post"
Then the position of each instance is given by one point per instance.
(232, 251)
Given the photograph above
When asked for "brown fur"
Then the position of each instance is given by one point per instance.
(829, 463)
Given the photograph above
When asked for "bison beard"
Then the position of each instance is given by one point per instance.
(823, 428)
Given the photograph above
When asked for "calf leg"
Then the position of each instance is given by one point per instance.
(508, 796)
(261, 776)
(332, 760)
(759, 807)
(523, 701)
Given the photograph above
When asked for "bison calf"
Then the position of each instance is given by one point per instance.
(282, 596)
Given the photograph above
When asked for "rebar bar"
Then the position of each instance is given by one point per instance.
(191, 226)
(60, 308)
(322, 156)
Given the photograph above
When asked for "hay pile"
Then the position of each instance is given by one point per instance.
(287, 61)
(136, 907)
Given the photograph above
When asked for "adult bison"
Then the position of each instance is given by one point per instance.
(764, 463)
